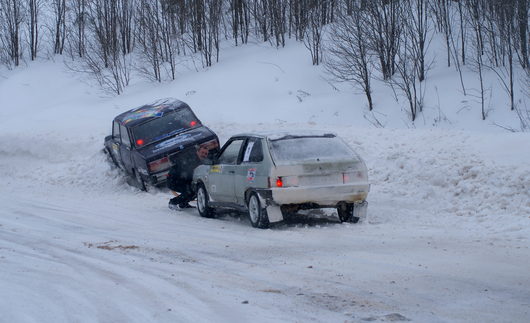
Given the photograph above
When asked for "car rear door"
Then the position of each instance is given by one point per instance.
(222, 173)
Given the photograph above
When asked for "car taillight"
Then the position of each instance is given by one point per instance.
(139, 142)
(193, 123)
(279, 182)
(275, 182)
(159, 165)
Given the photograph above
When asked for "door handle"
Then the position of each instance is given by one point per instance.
(231, 171)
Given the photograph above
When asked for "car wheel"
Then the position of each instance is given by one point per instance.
(257, 215)
(345, 212)
(203, 202)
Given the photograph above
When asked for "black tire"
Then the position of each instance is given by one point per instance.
(203, 202)
(256, 213)
(345, 212)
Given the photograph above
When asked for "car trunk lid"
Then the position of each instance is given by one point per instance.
(176, 143)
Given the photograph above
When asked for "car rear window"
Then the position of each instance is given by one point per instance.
(169, 124)
(310, 148)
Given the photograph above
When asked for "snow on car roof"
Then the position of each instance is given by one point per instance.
(149, 111)
(276, 135)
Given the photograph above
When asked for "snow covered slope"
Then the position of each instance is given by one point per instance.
(446, 238)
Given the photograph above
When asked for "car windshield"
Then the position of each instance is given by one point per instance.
(310, 148)
(169, 124)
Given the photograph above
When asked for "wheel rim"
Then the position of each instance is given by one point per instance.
(253, 209)
(201, 200)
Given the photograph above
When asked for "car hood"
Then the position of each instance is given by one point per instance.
(177, 142)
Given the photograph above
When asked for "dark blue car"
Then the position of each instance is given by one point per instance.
(148, 140)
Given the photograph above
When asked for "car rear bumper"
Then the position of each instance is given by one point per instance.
(321, 195)
(158, 178)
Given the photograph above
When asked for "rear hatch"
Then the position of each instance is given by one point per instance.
(177, 142)
(316, 161)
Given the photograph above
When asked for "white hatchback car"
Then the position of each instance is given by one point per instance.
(273, 175)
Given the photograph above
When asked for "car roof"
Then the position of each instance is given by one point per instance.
(275, 135)
(150, 111)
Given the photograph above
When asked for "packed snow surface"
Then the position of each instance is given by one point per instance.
(446, 238)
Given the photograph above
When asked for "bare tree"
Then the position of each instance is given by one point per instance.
(259, 10)
(210, 30)
(349, 59)
(149, 24)
(278, 20)
(197, 21)
(11, 19)
(126, 10)
(503, 25)
(455, 48)
(297, 18)
(384, 26)
(105, 61)
(313, 34)
(405, 78)
(240, 20)
(215, 10)
(59, 13)
(79, 20)
(170, 36)
(475, 8)
(33, 27)
(417, 29)
(522, 20)
(442, 12)
(523, 111)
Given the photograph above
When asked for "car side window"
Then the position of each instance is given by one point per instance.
(231, 152)
(125, 136)
(253, 151)
(116, 131)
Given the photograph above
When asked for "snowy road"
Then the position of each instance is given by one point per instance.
(78, 244)
(97, 260)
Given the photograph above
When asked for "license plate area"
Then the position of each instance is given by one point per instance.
(320, 180)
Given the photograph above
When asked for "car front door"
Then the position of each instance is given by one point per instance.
(125, 149)
(116, 143)
(222, 173)
(251, 172)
